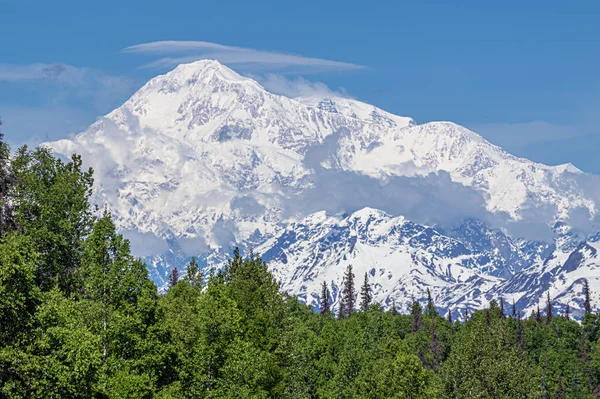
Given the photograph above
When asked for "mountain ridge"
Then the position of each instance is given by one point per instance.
(201, 159)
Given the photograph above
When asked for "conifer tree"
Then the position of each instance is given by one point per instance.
(502, 308)
(587, 303)
(520, 342)
(430, 307)
(548, 309)
(449, 317)
(365, 295)
(487, 317)
(394, 310)
(341, 310)
(514, 309)
(560, 392)
(416, 311)
(173, 277)
(194, 275)
(324, 307)
(436, 347)
(545, 394)
(538, 315)
(568, 312)
(348, 293)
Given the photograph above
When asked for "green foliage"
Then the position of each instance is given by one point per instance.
(79, 318)
(52, 207)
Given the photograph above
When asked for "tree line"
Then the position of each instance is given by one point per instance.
(80, 318)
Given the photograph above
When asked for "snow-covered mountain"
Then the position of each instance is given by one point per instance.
(201, 158)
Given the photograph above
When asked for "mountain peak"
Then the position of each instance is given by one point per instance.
(207, 68)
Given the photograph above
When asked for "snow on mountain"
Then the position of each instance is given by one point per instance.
(202, 158)
(402, 259)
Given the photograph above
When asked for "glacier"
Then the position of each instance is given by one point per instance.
(202, 159)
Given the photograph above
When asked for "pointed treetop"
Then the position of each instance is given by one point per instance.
(449, 317)
(587, 303)
(348, 293)
(430, 310)
(568, 312)
(194, 275)
(548, 309)
(502, 307)
(416, 311)
(173, 277)
(324, 307)
(538, 315)
(519, 338)
(394, 311)
(365, 295)
(514, 309)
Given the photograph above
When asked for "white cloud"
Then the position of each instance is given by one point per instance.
(60, 73)
(69, 99)
(189, 51)
(298, 87)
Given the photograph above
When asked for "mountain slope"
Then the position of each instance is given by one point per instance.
(201, 158)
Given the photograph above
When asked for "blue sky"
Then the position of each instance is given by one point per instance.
(522, 74)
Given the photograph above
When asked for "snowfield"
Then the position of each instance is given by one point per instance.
(201, 159)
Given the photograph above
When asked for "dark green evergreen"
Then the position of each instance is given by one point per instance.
(324, 307)
(548, 309)
(430, 309)
(365, 295)
(173, 277)
(348, 294)
(587, 302)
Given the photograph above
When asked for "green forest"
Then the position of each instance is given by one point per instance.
(80, 318)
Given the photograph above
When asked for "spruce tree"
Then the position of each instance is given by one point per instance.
(416, 311)
(324, 307)
(348, 293)
(514, 309)
(365, 295)
(430, 310)
(487, 317)
(560, 392)
(538, 315)
(341, 310)
(519, 338)
(173, 277)
(545, 394)
(548, 309)
(394, 310)
(436, 347)
(568, 312)
(587, 303)
(502, 308)
(194, 275)
(449, 317)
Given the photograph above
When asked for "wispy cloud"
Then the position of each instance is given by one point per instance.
(259, 60)
(67, 98)
(297, 87)
(62, 74)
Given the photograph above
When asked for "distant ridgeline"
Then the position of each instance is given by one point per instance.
(79, 318)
